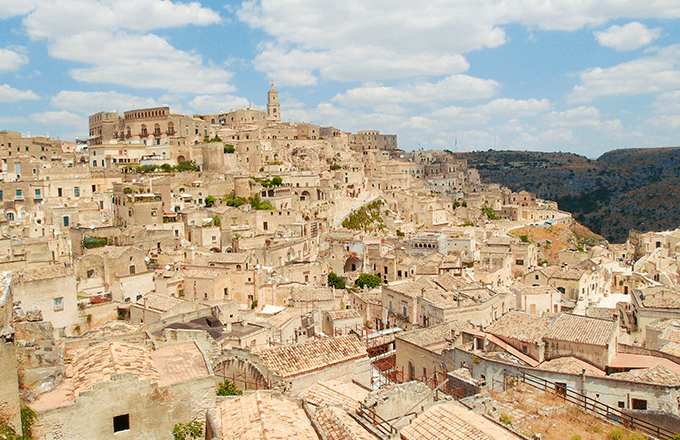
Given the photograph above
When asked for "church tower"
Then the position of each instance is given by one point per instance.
(273, 106)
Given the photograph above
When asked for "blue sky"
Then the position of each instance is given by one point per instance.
(585, 77)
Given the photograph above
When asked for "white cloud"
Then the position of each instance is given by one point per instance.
(93, 102)
(10, 94)
(11, 60)
(59, 118)
(498, 108)
(357, 40)
(651, 74)
(577, 117)
(144, 62)
(60, 18)
(112, 40)
(451, 87)
(217, 103)
(628, 37)
(10, 8)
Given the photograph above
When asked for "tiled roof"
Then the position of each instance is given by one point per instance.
(671, 334)
(41, 273)
(293, 360)
(312, 293)
(113, 252)
(332, 393)
(449, 422)
(570, 365)
(225, 258)
(337, 315)
(159, 302)
(427, 337)
(451, 282)
(520, 326)
(658, 374)
(581, 330)
(672, 348)
(99, 363)
(202, 272)
(562, 273)
(338, 425)
(179, 362)
(414, 288)
(260, 416)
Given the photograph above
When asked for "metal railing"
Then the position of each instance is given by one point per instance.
(592, 406)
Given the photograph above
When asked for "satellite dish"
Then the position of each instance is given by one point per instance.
(134, 180)
(167, 267)
(92, 227)
(147, 259)
(286, 279)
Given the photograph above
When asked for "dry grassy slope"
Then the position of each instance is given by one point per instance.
(621, 190)
(550, 240)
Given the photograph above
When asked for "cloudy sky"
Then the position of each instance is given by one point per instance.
(549, 75)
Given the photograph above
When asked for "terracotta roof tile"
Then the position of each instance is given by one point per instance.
(581, 329)
(293, 360)
(520, 326)
(338, 425)
(99, 363)
(658, 374)
(260, 416)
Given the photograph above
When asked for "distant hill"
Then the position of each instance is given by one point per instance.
(634, 188)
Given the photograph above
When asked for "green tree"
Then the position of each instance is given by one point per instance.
(187, 431)
(335, 281)
(209, 201)
(488, 211)
(277, 181)
(366, 279)
(228, 388)
(229, 149)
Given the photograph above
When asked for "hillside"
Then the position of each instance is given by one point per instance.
(621, 190)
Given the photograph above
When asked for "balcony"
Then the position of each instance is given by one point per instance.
(19, 197)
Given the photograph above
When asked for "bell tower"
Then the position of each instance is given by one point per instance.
(273, 106)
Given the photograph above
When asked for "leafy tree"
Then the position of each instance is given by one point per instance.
(216, 221)
(234, 201)
(366, 279)
(335, 281)
(277, 181)
(188, 165)
(524, 238)
(488, 211)
(400, 234)
(166, 167)
(229, 149)
(209, 201)
(228, 388)
(335, 166)
(187, 431)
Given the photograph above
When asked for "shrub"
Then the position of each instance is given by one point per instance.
(229, 149)
(335, 281)
(209, 201)
(228, 388)
(505, 419)
(335, 166)
(366, 279)
(524, 238)
(615, 434)
(187, 431)
(488, 211)
(94, 242)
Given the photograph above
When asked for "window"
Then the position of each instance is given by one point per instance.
(404, 311)
(94, 163)
(10, 216)
(132, 269)
(59, 192)
(76, 191)
(58, 303)
(37, 194)
(0, 195)
(622, 404)
(18, 195)
(639, 404)
(226, 292)
(17, 169)
(121, 423)
(90, 273)
(519, 262)
(264, 226)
